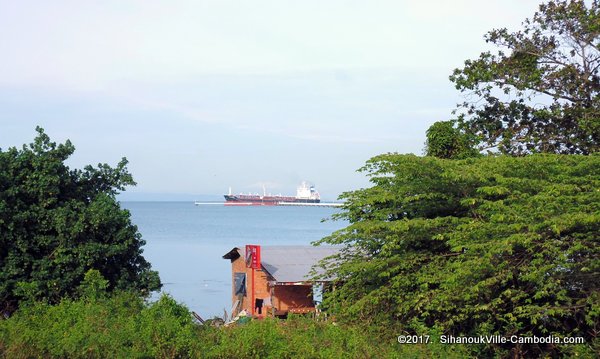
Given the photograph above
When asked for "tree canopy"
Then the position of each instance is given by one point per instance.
(57, 223)
(444, 140)
(539, 91)
(482, 246)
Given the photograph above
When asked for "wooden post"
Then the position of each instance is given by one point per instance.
(272, 301)
(252, 302)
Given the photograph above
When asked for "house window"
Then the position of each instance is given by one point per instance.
(239, 280)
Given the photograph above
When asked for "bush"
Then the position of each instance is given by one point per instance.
(123, 326)
(119, 326)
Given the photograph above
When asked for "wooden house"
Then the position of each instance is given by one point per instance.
(275, 280)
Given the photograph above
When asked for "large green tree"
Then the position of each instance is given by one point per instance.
(57, 223)
(539, 91)
(481, 246)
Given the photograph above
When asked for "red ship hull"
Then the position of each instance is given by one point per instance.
(242, 204)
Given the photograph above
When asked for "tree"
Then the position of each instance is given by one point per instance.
(444, 140)
(482, 246)
(57, 223)
(540, 91)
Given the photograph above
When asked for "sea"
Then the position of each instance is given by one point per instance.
(185, 243)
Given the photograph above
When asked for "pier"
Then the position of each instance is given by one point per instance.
(320, 204)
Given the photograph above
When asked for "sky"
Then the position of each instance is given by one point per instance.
(201, 96)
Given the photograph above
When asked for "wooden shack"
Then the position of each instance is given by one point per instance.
(275, 280)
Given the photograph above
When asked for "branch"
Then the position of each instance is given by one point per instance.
(503, 82)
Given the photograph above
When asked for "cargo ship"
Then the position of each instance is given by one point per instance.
(305, 193)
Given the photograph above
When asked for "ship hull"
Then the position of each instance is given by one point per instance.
(248, 200)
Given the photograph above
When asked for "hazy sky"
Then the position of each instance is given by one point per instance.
(204, 95)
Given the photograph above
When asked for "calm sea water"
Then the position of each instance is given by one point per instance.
(185, 243)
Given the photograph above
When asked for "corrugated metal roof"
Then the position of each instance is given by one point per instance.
(293, 263)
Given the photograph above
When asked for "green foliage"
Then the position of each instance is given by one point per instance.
(540, 91)
(446, 141)
(165, 330)
(93, 286)
(296, 338)
(57, 223)
(122, 326)
(481, 246)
